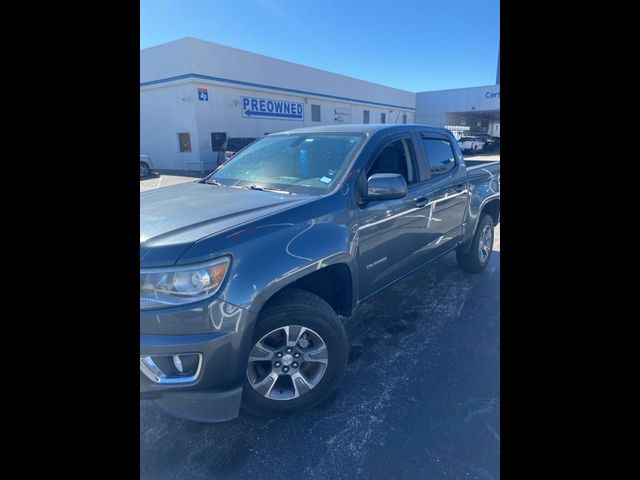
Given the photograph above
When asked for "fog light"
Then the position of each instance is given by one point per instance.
(177, 363)
(178, 368)
(186, 364)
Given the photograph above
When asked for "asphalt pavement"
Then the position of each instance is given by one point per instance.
(420, 398)
(162, 178)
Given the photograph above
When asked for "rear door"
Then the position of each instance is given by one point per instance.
(448, 192)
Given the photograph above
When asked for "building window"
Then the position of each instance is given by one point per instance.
(184, 139)
(365, 116)
(383, 118)
(404, 118)
(315, 113)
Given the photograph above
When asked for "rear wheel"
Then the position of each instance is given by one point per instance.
(475, 257)
(298, 357)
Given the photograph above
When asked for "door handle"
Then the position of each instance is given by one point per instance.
(422, 202)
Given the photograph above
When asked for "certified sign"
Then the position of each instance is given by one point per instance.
(342, 115)
(203, 95)
(255, 107)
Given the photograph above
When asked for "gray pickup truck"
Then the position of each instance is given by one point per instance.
(247, 275)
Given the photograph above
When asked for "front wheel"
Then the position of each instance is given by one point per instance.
(298, 357)
(476, 256)
(144, 170)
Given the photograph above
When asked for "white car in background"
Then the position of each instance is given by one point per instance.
(145, 166)
(471, 144)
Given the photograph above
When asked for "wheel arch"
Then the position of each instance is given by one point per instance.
(492, 207)
(332, 283)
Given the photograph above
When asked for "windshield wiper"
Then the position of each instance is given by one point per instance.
(211, 181)
(266, 189)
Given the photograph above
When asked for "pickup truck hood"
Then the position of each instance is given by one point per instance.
(183, 214)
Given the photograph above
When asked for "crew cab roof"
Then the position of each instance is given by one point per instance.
(369, 128)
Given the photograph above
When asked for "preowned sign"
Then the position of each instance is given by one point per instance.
(255, 107)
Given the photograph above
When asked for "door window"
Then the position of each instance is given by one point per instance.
(397, 157)
(439, 155)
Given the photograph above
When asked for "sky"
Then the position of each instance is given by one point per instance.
(415, 45)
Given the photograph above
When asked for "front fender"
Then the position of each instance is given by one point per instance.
(274, 256)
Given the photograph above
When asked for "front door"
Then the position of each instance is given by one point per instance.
(392, 234)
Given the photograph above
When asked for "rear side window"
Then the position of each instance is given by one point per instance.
(439, 155)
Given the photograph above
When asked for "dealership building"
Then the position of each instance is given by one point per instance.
(464, 111)
(194, 95)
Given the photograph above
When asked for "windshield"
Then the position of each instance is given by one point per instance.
(235, 144)
(467, 139)
(296, 163)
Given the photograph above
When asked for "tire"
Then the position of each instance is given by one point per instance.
(294, 308)
(472, 259)
(145, 171)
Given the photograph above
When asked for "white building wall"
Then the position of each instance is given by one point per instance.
(165, 112)
(432, 119)
(169, 101)
(193, 56)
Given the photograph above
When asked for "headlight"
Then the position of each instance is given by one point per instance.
(166, 287)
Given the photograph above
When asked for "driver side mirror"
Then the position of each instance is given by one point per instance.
(385, 186)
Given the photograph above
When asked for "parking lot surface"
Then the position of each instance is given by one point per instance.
(420, 398)
(166, 179)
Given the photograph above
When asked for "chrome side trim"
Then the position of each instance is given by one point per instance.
(153, 373)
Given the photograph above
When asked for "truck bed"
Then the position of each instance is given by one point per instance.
(477, 163)
(485, 172)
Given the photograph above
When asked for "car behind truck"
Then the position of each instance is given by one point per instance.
(247, 275)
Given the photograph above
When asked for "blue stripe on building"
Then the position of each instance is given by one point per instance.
(270, 87)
